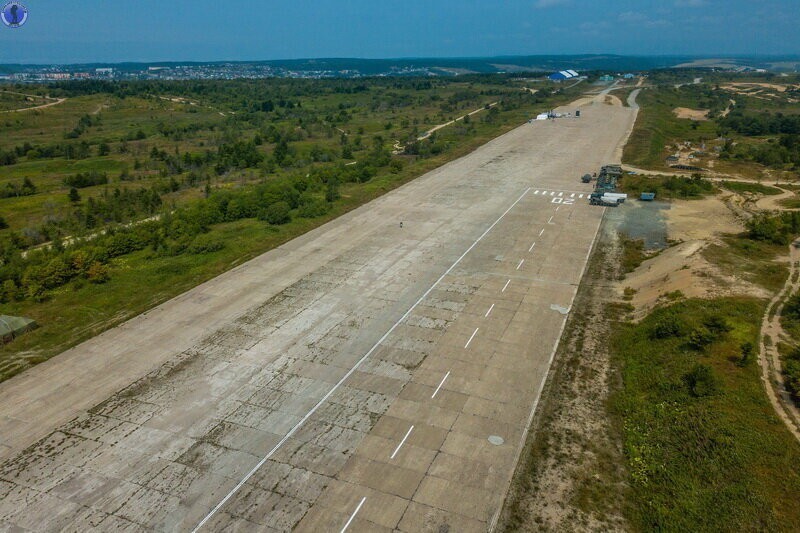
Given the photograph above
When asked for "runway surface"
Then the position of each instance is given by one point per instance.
(363, 377)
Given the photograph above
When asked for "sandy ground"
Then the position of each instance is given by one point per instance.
(691, 114)
(735, 86)
(693, 225)
(362, 373)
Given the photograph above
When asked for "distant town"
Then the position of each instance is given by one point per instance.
(357, 68)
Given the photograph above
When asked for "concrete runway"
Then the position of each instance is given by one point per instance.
(364, 377)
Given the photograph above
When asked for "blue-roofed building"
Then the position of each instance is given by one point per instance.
(563, 75)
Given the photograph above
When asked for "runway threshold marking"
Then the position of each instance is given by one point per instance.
(440, 385)
(352, 516)
(402, 442)
(350, 372)
(471, 337)
(489, 311)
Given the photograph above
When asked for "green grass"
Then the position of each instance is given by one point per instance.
(666, 187)
(739, 186)
(717, 462)
(632, 253)
(657, 127)
(753, 261)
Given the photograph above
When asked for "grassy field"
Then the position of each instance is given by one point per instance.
(717, 143)
(657, 128)
(79, 310)
(704, 446)
(758, 188)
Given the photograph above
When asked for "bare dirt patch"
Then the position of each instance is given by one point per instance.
(682, 270)
(691, 114)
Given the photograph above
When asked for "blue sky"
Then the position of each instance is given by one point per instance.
(61, 31)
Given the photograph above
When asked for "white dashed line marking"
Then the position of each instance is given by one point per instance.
(541, 232)
(506, 286)
(520, 264)
(402, 442)
(472, 337)
(531, 248)
(550, 221)
(440, 385)
(489, 311)
(350, 372)
(352, 516)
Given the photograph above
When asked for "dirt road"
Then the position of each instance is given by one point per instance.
(55, 101)
(365, 375)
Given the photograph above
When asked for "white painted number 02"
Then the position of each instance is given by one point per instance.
(565, 201)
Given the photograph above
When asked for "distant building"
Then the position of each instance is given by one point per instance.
(607, 77)
(563, 75)
(629, 76)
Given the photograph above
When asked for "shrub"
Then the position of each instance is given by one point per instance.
(277, 213)
(701, 337)
(701, 381)
(669, 326)
(313, 208)
(204, 244)
(97, 273)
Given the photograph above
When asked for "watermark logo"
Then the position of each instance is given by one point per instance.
(14, 15)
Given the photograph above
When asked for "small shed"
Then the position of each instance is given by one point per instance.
(14, 326)
(647, 196)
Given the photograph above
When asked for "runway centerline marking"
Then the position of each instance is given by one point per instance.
(440, 385)
(550, 221)
(489, 311)
(402, 442)
(350, 372)
(352, 516)
(540, 233)
(506, 286)
(471, 337)
(531, 248)
(520, 264)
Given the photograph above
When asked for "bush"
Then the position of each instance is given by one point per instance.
(701, 381)
(700, 338)
(277, 213)
(97, 273)
(204, 244)
(312, 209)
(86, 179)
(669, 326)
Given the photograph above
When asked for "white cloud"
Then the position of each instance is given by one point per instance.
(543, 4)
(641, 19)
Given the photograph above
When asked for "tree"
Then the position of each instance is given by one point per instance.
(103, 149)
(3, 223)
(332, 191)
(74, 196)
